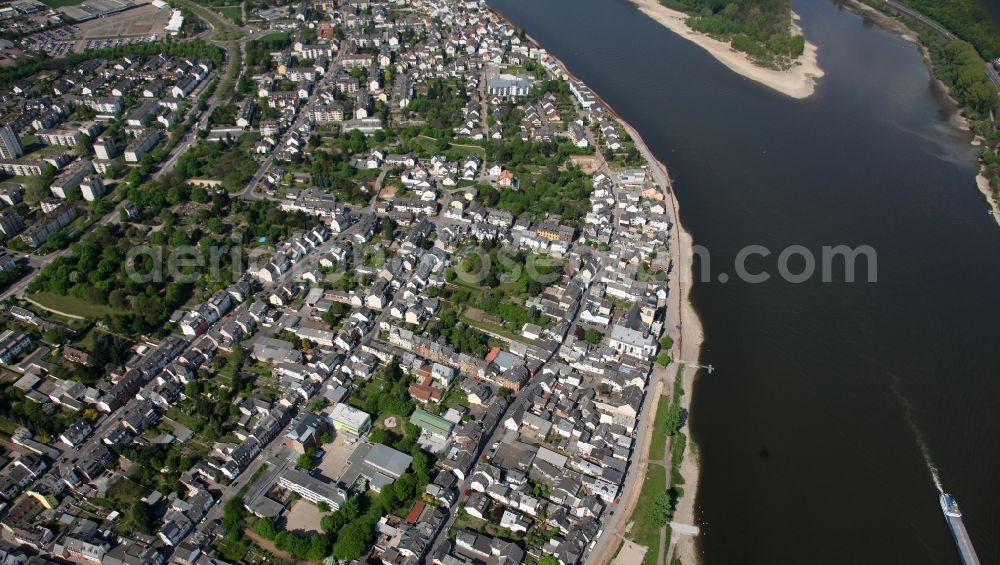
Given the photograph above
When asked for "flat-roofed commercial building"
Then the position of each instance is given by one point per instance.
(312, 489)
(349, 419)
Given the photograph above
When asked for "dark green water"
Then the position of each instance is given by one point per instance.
(808, 454)
(992, 8)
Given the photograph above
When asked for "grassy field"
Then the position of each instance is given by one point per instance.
(644, 532)
(429, 145)
(234, 13)
(71, 305)
(273, 36)
(495, 329)
(87, 341)
(178, 415)
(658, 445)
(468, 149)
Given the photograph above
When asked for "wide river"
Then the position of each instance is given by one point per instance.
(830, 402)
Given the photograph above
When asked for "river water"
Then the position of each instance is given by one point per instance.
(830, 402)
(992, 9)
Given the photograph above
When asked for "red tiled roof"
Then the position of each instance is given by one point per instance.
(492, 354)
(415, 512)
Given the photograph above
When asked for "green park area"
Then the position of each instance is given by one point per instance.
(70, 305)
(645, 527)
(234, 13)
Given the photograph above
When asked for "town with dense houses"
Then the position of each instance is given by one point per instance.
(338, 281)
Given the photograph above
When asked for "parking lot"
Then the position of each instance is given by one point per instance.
(57, 42)
(139, 25)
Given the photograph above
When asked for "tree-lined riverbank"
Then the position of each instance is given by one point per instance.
(958, 64)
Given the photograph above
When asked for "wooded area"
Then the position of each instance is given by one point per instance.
(760, 28)
(966, 19)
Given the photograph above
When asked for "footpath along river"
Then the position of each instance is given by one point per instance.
(831, 402)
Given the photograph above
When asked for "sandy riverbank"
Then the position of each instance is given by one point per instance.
(984, 186)
(690, 352)
(797, 82)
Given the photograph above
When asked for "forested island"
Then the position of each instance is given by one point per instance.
(759, 28)
(755, 38)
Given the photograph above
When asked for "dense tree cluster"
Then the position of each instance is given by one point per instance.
(160, 465)
(223, 114)
(347, 532)
(258, 51)
(44, 419)
(515, 153)
(441, 107)
(461, 336)
(564, 193)
(963, 70)
(757, 27)
(499, 303)
(12, 274)
(138, 518)
(967, 19)
(349, 511)
(96, 271)
(307, 548)
(266, 220)
(354, 539)
(469, 340)
(38, 187)
(387, 393)
(334, 171)
(229, 162)
(106, 352)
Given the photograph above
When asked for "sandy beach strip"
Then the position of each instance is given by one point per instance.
(685, 547)
(984, 186)
(682, 317)
(796, 82)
